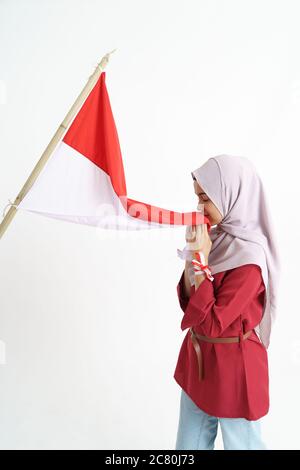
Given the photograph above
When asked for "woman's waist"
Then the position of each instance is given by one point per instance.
(232, 334)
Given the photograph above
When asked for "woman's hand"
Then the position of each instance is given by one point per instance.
(198, 239)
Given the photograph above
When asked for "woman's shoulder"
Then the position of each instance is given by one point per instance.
(243, 268)
(245, 273)
(246, 267)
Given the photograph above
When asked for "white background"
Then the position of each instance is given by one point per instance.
(89, 318)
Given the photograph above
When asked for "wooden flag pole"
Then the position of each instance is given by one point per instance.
(54, 141)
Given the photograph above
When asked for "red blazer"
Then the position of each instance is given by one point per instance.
(236, 378)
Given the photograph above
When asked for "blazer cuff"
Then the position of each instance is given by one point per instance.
(199, 305)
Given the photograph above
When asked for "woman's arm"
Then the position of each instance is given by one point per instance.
(187, 285)
(203, 243)
(186, 280)
(199, 278)
(216, 310)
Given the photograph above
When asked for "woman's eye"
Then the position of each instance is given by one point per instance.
(204, 197)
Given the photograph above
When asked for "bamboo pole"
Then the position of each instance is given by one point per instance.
(54, 141)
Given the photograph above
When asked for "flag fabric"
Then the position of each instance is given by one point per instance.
(83, 180)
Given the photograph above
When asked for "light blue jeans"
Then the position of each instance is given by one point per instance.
(198, 430)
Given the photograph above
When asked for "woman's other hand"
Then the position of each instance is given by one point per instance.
(198, 239)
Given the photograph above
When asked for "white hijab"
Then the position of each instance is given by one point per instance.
(245, 234)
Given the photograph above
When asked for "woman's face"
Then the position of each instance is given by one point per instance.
(210, 210)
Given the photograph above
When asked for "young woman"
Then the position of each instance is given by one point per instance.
(229, 307)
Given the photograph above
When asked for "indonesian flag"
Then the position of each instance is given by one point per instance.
(83, 181)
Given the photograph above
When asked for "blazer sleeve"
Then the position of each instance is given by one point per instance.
(215, 311)
(182, 297)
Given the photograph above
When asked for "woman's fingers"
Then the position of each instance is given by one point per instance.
(190, 233)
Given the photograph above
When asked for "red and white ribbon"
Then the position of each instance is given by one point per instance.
(200, 267)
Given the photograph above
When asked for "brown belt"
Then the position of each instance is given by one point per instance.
(231, 339)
